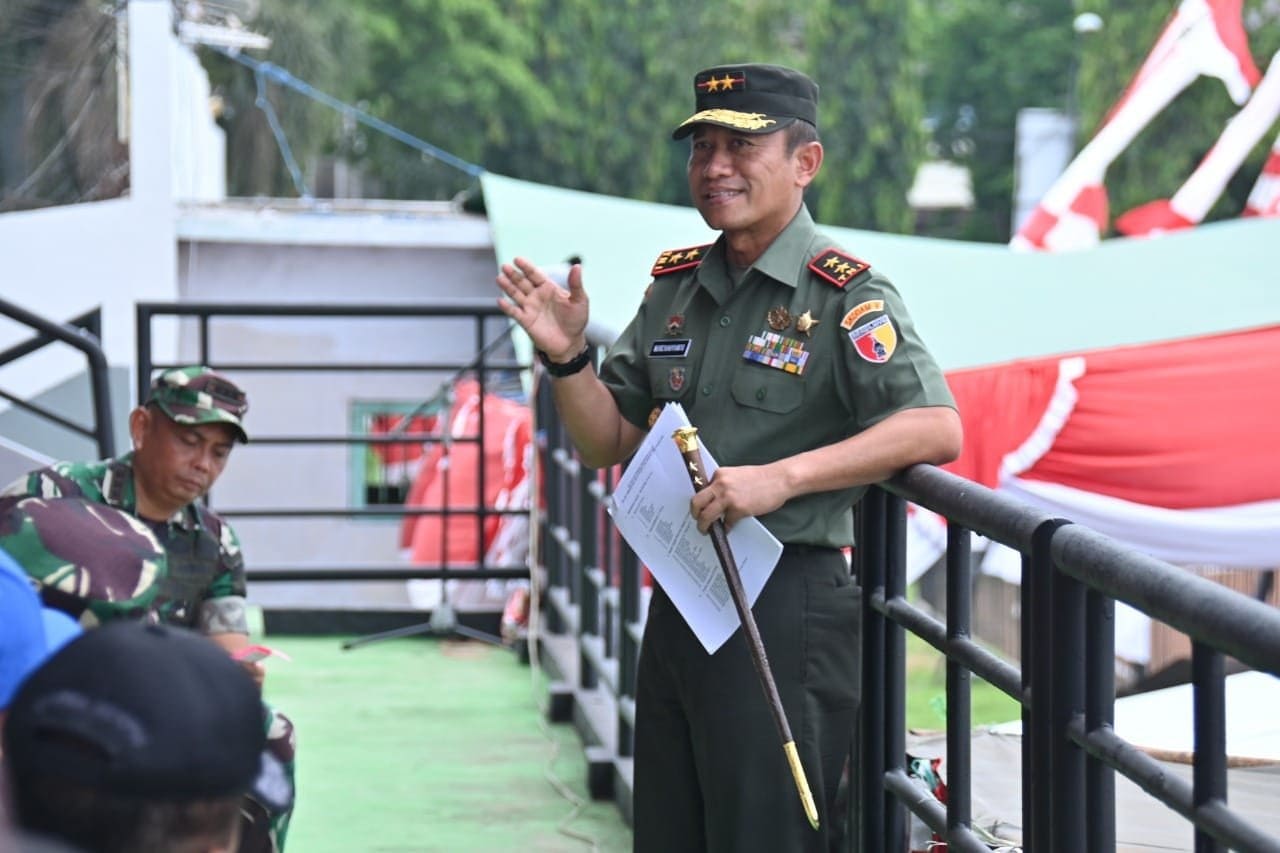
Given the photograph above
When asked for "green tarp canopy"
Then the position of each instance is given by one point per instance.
(975, 303)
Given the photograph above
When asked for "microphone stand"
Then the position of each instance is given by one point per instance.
(443, 620)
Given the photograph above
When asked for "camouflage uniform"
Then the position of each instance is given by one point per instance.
(203, 587)
(90, 561)
(185, 571)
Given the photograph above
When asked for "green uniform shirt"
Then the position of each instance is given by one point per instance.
(204, 582)
(699, 340)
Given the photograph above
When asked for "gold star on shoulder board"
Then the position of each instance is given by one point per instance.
(805, 322)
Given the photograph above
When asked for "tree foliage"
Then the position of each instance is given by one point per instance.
(985, 61)
(583, 94)
(314, 40)
(872, 110)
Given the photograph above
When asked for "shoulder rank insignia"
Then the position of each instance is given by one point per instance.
(678, 259)
(838, 268)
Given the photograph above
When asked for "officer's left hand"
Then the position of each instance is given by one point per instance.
(736, 493)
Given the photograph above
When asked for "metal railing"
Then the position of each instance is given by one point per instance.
(487, 368)
(1071, 578)
(82, 333)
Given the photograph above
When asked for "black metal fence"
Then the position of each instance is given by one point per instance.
(82, 333)
(487, 357)
(1071, 577)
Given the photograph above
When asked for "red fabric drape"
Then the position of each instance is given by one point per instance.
(1182, 424)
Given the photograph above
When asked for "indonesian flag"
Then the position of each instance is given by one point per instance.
(1169, 448)
(1264, 199)
(1204, 37)
(1192, 201)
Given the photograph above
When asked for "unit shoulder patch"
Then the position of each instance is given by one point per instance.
(837, 268)
(674, 260)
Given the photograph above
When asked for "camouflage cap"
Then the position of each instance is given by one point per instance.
(92, 561)
(200, 395)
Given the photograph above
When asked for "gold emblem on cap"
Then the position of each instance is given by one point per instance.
(805, 322)
(779, 318)
(732, 118)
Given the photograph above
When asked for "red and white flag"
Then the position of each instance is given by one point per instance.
(1204, 37)
(1264, 199)
(1192, 201)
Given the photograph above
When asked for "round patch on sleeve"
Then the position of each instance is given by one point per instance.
(875, 341)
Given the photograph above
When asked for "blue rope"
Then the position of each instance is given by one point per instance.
(284, 78)
(264, 104)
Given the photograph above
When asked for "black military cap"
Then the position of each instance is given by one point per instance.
(751, 98)
(149, 711)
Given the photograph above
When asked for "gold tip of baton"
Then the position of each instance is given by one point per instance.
(686, 438)
(802, 784)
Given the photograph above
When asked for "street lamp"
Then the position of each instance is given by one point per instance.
(1084, 24)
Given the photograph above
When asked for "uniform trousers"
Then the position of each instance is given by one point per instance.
(710, 772)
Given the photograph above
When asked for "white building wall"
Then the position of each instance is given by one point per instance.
(62, 261)
(323, 476)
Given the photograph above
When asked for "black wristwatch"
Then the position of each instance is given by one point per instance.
(569, 367)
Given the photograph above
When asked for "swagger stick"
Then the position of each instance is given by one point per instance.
(687, 440)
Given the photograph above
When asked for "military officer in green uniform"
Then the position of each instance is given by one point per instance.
(807, 380)
(182, 436)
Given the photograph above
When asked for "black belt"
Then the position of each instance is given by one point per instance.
(798, 549)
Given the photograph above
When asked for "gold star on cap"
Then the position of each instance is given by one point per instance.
(805, 322)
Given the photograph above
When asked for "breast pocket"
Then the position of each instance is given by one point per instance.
(768, 389)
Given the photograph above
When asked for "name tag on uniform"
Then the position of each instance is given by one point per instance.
(670, 349)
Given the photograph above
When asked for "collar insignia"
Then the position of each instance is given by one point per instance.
(838, 268)
(678, 259)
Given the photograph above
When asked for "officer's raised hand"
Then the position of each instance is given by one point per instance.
(555, 319)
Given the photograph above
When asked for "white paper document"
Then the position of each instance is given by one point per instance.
(650, 507)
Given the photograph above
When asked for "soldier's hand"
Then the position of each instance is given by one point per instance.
(554, 318)
(736, 493)
(257, 671)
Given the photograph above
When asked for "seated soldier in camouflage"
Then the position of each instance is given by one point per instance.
(182, 437)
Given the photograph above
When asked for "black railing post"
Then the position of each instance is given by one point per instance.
(591, 577)
(870, 557)
(549, 439)
(895, 675)
(629, 653)
(1067, 680)
(482, 490)
(1099, 712)
(1209, 773)
(1037, 674)
(959, 718)
(142, 378)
